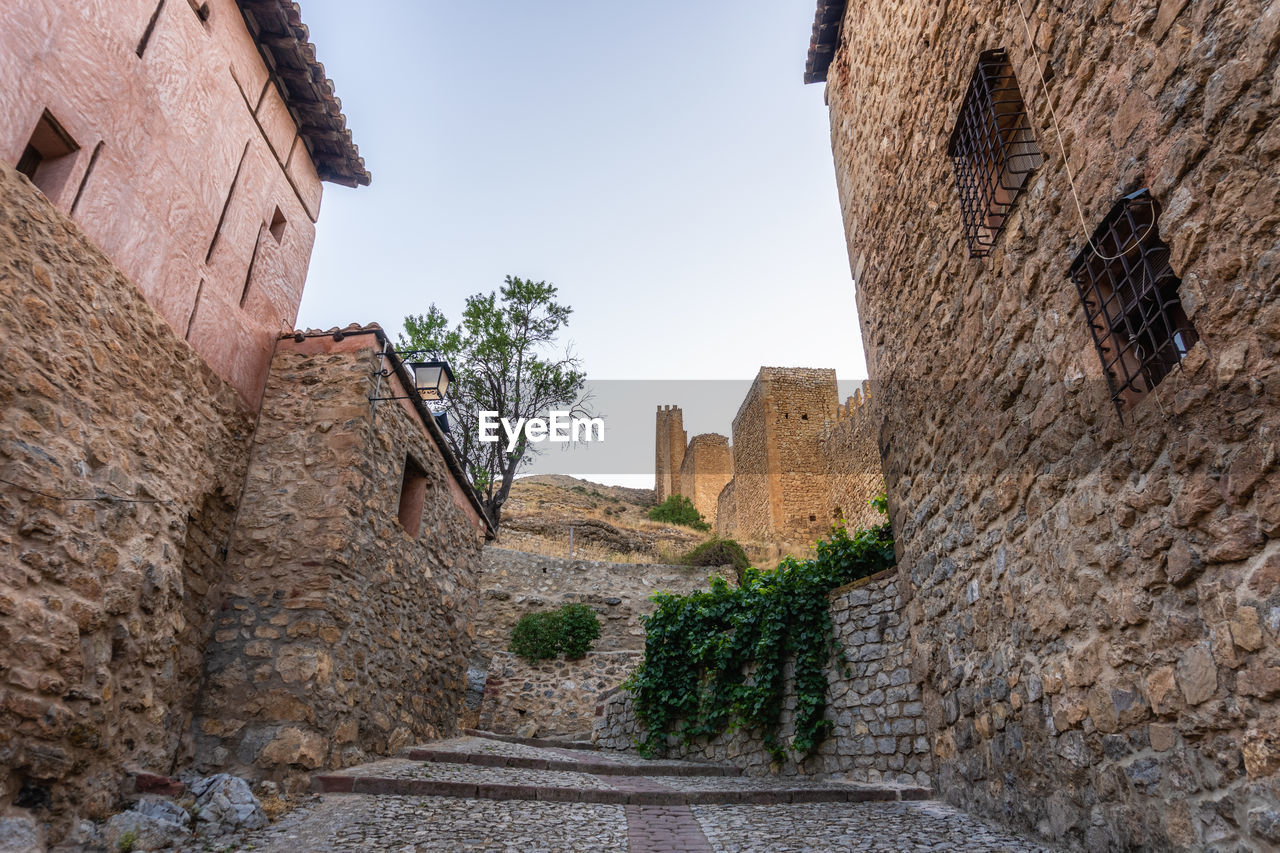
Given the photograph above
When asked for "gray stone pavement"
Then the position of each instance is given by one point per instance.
(645, 807)
(429, 824)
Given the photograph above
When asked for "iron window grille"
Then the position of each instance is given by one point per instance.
(1130, 296)
(992, 150)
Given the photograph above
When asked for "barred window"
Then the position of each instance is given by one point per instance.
(1130, 296)
(992, 150)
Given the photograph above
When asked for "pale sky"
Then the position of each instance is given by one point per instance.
(662, 163)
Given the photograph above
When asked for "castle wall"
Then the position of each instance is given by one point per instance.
(707, 468)
(799, 407)
(850, 461)
(1093, 596)
(122, 455)
(752, 498)
(342, 634)
(185, 157)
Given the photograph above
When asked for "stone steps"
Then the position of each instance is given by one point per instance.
(558, 743)
(388, 785)
(598, 768)
(513, 769)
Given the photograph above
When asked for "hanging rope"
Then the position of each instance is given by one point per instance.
(1071, 180)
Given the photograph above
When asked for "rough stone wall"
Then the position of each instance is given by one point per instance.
(185, 156)
(104, 601)
(670, 444)
(707, 469)
(752, 511)
(1094, 596)
(879, 732)
(341, 634)
(799, 407)
(850, 461)
(552, 697)
(514, 583)
(727, 510)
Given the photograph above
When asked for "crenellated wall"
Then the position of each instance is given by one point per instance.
(800, 461)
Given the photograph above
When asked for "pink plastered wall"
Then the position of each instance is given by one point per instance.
(185, 155)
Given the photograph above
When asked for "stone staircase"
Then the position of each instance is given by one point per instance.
(487, 766)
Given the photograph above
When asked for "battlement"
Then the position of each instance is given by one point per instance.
(799, 460)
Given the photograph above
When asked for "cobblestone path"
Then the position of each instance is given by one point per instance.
(482, 793)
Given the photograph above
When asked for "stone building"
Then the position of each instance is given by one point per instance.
(1062, 229)
(799, 461)
(220, 548)
(190, 142)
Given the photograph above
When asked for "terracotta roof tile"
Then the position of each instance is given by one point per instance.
(283, 40)
(825, 39)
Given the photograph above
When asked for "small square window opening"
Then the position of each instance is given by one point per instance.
(413, 492)
(48, 158)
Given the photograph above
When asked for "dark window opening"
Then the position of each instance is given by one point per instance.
(277, 225)
(804, 417)
(992, 150)
(413, 492)
(48, 158)
(29, 162)
(813, 518)
(1129, 292)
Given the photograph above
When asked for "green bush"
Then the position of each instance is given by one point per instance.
(570, 631)
(579, 629)
(535, 636)
(677, 509)
(719, 552)
(715, 661)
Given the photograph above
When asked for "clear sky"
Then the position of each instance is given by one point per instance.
(661, 162)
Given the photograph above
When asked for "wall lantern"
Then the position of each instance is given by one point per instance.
(431, 378)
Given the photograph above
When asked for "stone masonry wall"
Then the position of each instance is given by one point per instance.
(879, 730)
(1095, 596)
(799, 408)
(669, 447)
(707, 469)
(341, 634)
(514, 583)
(750, 516)
(553, 697)
(122, 455)
(850, 460)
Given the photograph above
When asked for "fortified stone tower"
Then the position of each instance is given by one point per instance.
(706, 470)
(779, 476)
(669, 456)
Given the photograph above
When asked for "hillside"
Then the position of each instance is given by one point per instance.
(608, 522)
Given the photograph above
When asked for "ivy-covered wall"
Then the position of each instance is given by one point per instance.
(879, 732)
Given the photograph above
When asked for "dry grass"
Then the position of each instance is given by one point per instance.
(548, 547)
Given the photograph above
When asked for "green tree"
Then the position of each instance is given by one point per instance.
(505, 359)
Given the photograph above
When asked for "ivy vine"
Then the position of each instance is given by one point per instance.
(715, 661)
